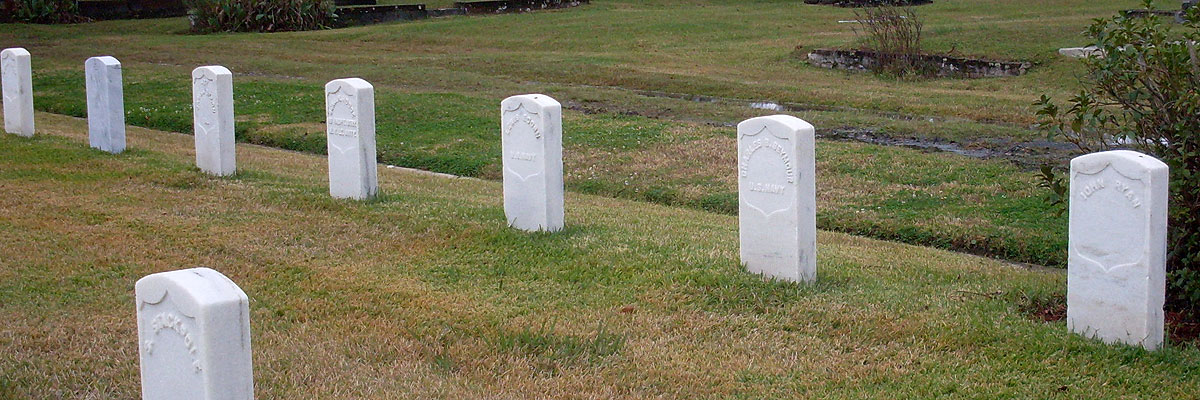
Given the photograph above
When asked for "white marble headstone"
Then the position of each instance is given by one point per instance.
(193, 337)
(212, 109)
(105, 104)
(350, 127)
(777, 213)
(531, 141)
(16, 77)
(1116, 268)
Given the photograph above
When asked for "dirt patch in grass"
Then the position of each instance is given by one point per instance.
(1046, 309)
(1181, 327)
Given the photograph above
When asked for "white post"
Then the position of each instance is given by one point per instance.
(106, 104)
(777, 212)
(16, 76)
(531, 141)
(193, 336)
(212, 109)
(1116, 266)
(350, 134)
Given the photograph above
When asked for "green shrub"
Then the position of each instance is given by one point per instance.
(40, 11)
(1141, 92)
(261, 15)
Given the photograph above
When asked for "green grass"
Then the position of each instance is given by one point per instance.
(425, 293)
(986, 207)
(439, 83)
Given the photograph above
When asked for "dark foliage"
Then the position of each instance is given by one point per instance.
(40, 11)
(261, 15)
(868, 3)
(1140, 92)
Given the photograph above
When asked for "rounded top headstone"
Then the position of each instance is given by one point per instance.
(15, 51)
(211, 70)
(1129, 163)
(787, 122)
(108, 61)
(540, 100)
(191, 289)
(353, 83)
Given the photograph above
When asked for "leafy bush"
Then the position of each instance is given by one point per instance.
(40, 11)
(894, 34)
(1140, 92)
(261, 15)
(868, 3)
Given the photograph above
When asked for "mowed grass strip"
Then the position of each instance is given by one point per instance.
(425, 293)
(440, 81)
(738, 49)
(985, 207)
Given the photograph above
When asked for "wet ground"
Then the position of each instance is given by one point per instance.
(1028, 155)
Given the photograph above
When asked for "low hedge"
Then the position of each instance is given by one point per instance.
(261, 15)
(40, 11)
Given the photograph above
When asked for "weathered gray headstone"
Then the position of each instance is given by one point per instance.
(105, 104)
(16, 77)
(777, 213)
(1116, 268)
(531, 141)
(193, 337)
(212, 109)
(1081, 52)
(350, 125)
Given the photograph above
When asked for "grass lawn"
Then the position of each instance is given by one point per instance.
(424, 293)
(440, 82)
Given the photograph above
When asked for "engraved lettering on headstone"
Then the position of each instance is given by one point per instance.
(205, 105)
(1091, 188)
(194, 333)
(1099, 249)
(523, 156)
(12, 82)
(174, 323)
(767, 152)
(776, 197)
(531, 149)
(341, 119)
(213, 120)
(767, 188)
(1116, 264)
(1128, 193)
(350, 138)
(523, 132)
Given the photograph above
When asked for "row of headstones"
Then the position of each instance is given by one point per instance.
(1116, 269)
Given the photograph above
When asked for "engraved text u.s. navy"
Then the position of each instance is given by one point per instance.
(342, 122)
(522, 143)
(767, 174)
